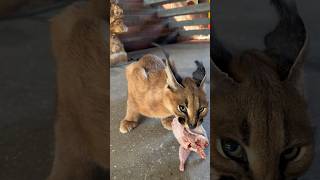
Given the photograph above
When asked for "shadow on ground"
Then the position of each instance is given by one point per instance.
(27, 80)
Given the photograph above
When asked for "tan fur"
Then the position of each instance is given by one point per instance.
(150, 95)
(266, 116)
(80, 49)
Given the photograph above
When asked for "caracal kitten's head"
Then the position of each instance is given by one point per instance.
(186, 97)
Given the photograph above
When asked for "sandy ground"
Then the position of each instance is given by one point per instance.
(150, 151)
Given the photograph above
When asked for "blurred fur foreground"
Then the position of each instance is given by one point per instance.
(79, 37)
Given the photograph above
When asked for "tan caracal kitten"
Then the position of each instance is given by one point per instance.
(156, 90)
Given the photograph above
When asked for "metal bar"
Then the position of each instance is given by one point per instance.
(199, 21)
(158, 2)
(194, 32)
(198, 8)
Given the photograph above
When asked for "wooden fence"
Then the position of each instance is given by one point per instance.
(160, 21)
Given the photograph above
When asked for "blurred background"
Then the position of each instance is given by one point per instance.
(164, 21)
(27, 88)
(135, 24)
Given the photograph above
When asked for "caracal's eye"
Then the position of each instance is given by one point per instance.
(201, 109)
(182, 108)
(231, 149)
(291, 153)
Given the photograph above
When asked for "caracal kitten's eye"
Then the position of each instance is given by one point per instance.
(182, 108)
(201, 109)
(231, 149)
(291, 153)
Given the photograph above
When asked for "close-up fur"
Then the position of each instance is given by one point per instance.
(261, 128)
(79, 47)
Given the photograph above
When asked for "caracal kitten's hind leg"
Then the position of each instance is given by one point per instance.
(166, 122)
(131, 119)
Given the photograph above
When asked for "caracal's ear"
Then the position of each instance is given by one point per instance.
(220, 58)
(288, 42)
(172, 82)
(173, 78)
(199, 75)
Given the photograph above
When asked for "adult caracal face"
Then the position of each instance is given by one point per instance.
(262, 130)
(155, 89)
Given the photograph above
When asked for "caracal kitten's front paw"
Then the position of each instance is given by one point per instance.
(166, 122)
(126, 126)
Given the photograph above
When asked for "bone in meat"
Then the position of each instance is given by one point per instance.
(189, 141)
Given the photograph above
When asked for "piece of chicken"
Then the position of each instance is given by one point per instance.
(194, 140)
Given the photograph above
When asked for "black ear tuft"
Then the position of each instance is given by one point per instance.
(199, 74)
(287, 40)
(220, 56)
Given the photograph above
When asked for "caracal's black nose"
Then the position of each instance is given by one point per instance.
(192, 126)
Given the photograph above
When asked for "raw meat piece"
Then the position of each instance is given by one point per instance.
(189, 141)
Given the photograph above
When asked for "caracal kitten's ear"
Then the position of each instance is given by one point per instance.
(173, 78)
(199, 75)
(172, 82)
